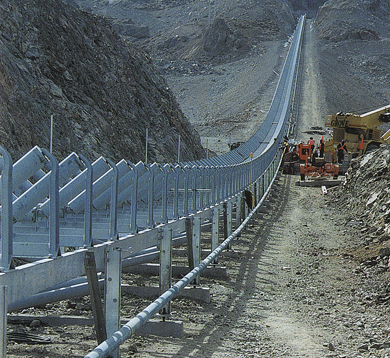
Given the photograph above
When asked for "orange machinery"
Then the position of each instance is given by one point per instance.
(323, 167)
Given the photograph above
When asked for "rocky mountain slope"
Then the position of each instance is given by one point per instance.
(103, 92)
(355, 38)
(353, 20)
(216, 32)
(354, 41)
(365, 193)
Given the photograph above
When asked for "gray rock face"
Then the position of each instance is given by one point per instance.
(365, 191)
(351, 20)
(103, 92)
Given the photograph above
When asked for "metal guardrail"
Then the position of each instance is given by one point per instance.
(103, 207)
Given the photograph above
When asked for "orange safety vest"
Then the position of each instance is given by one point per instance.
(311, 142)
(342, 147)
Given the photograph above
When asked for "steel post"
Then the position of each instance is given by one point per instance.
(88, 202)
(54, 227)
(196, 244)
(165, 267)
(112, 293)
(227, 220)
(193, 230)
(3, 320)
(113, 201)
(6, 212)
(94, 290)
(193, 188)
(164, 212)
(150, 222)
(203, 186)
(239, 210)
(176, 194)
(134, 199)
(215, 230)
(186, 188)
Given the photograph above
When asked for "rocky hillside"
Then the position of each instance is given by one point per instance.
(354, 48)
(354, 20)
(365, 194)
(195, 30)
(103, 92)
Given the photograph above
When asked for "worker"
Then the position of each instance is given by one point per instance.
(295, 156)
(321, 148)
(286, 147)
(313, 157)
(341, 149)
(311, 143)
(248, 198)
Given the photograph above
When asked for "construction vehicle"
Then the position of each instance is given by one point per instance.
(360, 132)
(323, 167)
(292, 159)
(317, 170)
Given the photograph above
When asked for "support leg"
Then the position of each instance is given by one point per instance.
(227, 221)
(193, 243)
(166, 267)
(215, 232)
(113, 293)
(97, 307)
(3, 320)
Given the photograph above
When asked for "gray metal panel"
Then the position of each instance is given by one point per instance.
(26, 167)
(76, 185)
(38, 192)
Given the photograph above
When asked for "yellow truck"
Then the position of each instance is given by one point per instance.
(360, 132)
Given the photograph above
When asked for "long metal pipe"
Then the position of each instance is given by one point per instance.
(113, 343)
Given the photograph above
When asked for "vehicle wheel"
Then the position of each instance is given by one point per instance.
(335, 177)
(303, 177)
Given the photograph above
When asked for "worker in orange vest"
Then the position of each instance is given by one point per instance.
(311, 143)
(321, 147)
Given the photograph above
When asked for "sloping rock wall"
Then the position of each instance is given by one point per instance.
(353, 20)
(103, 92)
(366, 193)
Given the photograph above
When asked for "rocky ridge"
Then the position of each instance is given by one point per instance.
(103, 92)
(353, 20)
(198, 32)
(365, 193)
